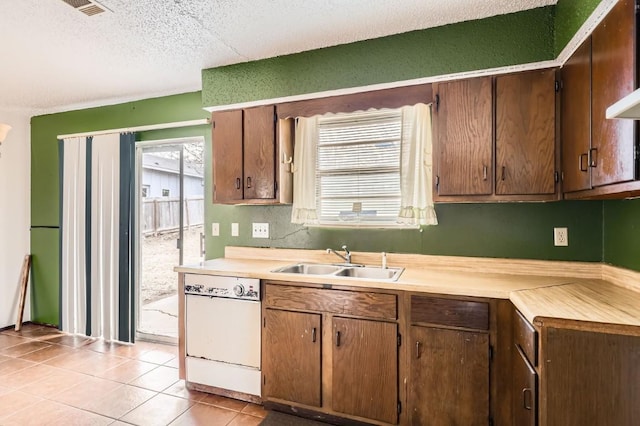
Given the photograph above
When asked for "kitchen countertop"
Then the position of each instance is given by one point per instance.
(566, 297)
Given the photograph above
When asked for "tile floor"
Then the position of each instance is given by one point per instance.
(47, 377)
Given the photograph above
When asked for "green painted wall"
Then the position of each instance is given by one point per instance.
(621, 245)
(521, 37)
(45, 178)
(569, 17)
(509, 230)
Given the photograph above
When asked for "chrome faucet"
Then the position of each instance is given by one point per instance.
(347, 254)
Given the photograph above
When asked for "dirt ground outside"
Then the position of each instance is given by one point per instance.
(159, 255)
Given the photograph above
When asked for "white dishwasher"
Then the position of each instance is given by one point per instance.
(223, 332)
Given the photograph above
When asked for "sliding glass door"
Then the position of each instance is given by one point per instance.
(170, 187)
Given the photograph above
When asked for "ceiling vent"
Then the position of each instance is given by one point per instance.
(88, 7)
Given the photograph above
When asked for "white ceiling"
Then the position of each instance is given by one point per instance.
(55, 58)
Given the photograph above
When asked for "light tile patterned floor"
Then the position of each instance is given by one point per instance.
(47, 377)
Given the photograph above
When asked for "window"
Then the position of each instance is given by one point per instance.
(369, 168)
(358, 167)
(165, 192)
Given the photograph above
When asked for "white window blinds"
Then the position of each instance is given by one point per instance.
(358, 167)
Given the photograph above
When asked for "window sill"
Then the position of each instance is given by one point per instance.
(361, 225)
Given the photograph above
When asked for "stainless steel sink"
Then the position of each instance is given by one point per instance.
(310, 269)
(371, 273)
(346, 271)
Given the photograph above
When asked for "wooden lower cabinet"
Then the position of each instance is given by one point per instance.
(365, 369)
(524, 390)
(589, 374)
(331, 354)
(291, 356)
(449, 377)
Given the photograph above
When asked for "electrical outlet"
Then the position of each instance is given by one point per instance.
(215, 229)
(260, 230)
(560, 237)
(235, 230)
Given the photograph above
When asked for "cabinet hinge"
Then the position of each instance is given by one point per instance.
(275, 186)
(275, 117)
(558, 86)
(213, 124)
(264, 322)
(490, 353)
(556, 177)
(399, 407)
(399, 339)
(437, 181)
(437, 102)
(264, 380)
(490, 421)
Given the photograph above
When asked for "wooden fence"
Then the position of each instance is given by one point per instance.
(162, 214)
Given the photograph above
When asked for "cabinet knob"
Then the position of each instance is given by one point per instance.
(584, 162)
(238, 183)
(526, 398)
(504, 170)
(593, 153)
(248, 182)
(417, 350)
(484, 172)
(313, 334)
(337, 338)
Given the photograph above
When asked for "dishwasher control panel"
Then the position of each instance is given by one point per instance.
(218, 286)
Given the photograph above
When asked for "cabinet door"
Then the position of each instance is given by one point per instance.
(588, 378)
(525, 133)
(576, 119)
(227, 155)
(449, 377)
(524, 390)
(291, 357)
(463, 137)
(259, 153)
(365, 369)
(613, 74)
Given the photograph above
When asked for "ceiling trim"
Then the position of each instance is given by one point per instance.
(174, 125)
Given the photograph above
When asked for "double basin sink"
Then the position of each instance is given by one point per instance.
(345, 270)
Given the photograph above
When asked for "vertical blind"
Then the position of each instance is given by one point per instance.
(358, 167)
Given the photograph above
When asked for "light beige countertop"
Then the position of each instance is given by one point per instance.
(567, 290)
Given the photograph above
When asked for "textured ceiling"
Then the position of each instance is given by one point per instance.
(55, 58)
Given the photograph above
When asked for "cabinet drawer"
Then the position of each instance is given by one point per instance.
(525, 337)
(366, 304)
(450, 312)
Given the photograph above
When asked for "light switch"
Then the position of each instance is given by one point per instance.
(215, 229)
(235, 230)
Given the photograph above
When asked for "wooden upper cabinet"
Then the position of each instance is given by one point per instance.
(463, 137)
(613, 77)
(227, 155)
(525, 133)
(576, 119)
(244, 155)
(259, 148)
(291, 357)
(365, 369)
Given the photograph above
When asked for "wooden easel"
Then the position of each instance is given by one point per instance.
(24, 280)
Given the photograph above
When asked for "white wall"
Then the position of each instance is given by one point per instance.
(15, 172)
